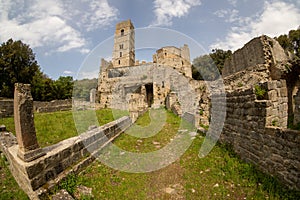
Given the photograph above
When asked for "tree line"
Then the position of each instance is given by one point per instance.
(18, 64)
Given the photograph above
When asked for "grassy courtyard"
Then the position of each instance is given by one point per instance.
(220, 175)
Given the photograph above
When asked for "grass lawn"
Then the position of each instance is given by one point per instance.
(220, 175)
(54, 127)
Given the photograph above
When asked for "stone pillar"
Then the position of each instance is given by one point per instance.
(29, 148)
(93, 95)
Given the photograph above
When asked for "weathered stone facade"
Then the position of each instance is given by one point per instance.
(124, 50)
(178, 58)
(257, 110)
(134, 86)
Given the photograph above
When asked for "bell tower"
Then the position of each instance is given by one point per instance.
(124, 50)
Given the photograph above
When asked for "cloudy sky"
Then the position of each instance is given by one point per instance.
(62, 33)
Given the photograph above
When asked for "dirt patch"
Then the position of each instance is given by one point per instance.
(167, 183)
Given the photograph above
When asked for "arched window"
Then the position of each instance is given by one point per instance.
(119, 62)
(122, 32)
(120, 54)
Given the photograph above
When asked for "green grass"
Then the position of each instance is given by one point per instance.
(54, 127)
(8, 187)
(219, 175)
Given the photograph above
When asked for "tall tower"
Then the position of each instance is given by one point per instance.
(124, 51)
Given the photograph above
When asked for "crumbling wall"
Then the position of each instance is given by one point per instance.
(274, 149)
(257, 110)
(262, 54)
(6, 107)
(52, 106)
(178, 58)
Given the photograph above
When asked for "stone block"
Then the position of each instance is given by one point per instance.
(273, 95)
(35, 169)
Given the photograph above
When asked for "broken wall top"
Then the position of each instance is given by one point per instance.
(259, 51)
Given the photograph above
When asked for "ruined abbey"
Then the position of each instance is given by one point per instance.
(258, 96)
(127, 84)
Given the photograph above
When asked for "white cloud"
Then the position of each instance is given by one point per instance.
(277, 18)
(230, 15)
(84, 51)
(68, 72)
(232, 2)
(166, 10)
(52, 23)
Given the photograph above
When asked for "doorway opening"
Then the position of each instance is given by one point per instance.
(149, 94)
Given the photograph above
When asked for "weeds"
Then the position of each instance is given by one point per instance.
(260, 92)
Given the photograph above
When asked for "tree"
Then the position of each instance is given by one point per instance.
(219, 56)
(63, 87)
(17, 64)
(294, 36)
(209, 67)
(291, 42)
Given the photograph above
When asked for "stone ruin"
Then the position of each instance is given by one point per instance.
(37, 170)
(262, 94)
(261, 97)
(128, 85)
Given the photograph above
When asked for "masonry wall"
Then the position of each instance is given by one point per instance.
(255, 136)
(52, 106)
(6, 107)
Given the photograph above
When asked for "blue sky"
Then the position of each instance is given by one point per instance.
(63, 33)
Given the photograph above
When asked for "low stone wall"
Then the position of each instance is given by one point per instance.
(248, 128)
(6, 107)
(52, 106)
(38, 176)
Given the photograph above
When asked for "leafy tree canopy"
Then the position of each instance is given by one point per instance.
(291, 41)
(18, 64)
(209, 67)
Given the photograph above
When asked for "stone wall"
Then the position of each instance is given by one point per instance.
(275, 150)
(6, 107)
(178, 58)
(37, 176)
(52, 106)
(260, 51)
(257, 110)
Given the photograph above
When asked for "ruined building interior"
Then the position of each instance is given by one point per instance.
(125, 83)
